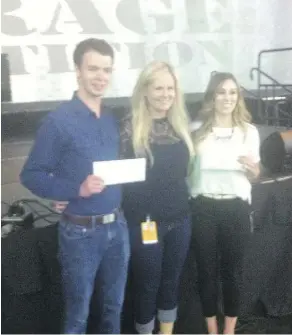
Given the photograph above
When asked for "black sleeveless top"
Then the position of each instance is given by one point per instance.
(164, 194)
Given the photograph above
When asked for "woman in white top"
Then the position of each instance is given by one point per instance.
(227, 158)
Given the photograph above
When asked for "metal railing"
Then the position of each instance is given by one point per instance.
(275, 82)
(264, 90)
(249, 92)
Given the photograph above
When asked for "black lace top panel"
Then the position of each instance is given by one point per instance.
(161, 133)
(163, 195)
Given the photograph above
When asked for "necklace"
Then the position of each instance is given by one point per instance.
(223, 138)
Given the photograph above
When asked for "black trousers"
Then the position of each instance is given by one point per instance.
(221, 229)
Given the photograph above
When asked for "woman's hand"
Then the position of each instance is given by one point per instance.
(251, 168)
(59, 206)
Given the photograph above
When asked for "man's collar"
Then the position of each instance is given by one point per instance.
(82, 107)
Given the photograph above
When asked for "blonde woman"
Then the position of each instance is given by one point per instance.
(227, 157)
(157, 210)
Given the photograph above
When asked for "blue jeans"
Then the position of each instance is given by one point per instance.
(99, 252)
(156, 270)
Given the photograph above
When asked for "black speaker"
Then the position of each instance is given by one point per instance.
(5, 79)
(276, 152)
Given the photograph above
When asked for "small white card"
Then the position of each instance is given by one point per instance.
(121, 171)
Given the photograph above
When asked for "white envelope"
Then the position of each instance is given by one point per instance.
(121, 171)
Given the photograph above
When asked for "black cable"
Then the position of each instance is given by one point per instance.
(43, 217)
(39, 216)
(28, 202)
(36, 201)
(18, 207)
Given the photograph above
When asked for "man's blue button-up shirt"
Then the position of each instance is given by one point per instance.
(68, 142)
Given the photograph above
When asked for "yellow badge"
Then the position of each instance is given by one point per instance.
(149, 232)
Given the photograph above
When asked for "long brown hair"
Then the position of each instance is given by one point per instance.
(240, 116)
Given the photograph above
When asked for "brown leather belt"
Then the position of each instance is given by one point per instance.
(88, 220)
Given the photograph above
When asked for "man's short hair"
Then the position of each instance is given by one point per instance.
(91, 44)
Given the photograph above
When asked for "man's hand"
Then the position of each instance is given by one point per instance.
(91, 185)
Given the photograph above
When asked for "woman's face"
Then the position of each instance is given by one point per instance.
(160, 93)
(226, 97)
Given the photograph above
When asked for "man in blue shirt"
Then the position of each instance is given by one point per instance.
(93, 235)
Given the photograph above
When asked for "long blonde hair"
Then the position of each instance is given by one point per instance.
(240, 116)
(141, 117)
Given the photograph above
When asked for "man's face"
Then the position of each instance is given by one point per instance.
(94, 73)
